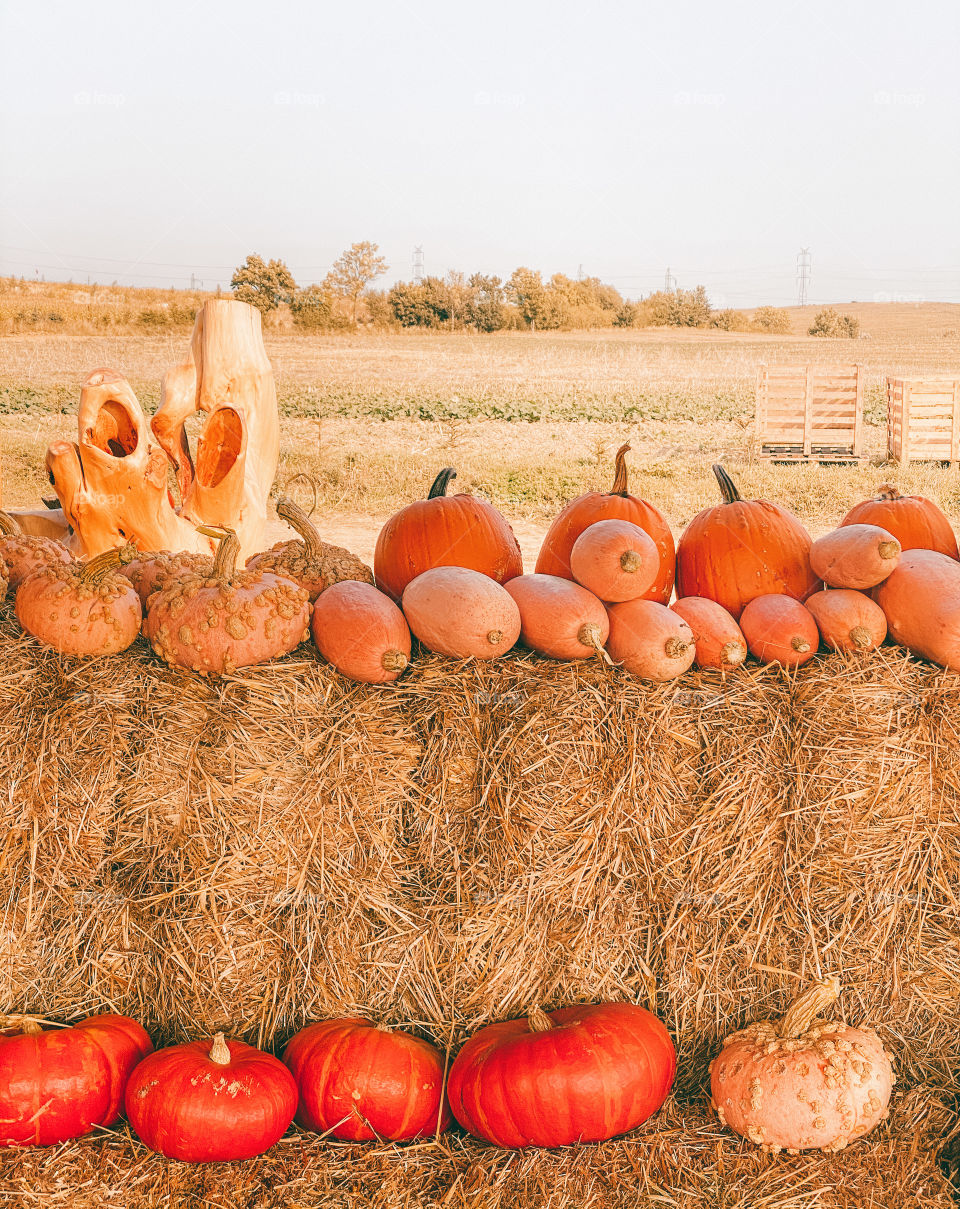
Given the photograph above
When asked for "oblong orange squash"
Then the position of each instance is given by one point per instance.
(361, 632)
(855, 556)
(718, 639)
(558, 617)
(779, 629)
(461, 613)
(921, 600)
(916, 522)
(848, 620)
(615, 560)
(649, 640)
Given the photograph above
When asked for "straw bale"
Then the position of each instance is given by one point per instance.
(682, 1158)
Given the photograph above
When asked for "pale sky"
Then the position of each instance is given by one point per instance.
(145, 142)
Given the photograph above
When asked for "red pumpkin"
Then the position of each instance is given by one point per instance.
(779, 629)
(60, 1083)
(718, 639)
(444, 531)
(917, 523)
(559, 618)
(649, 640)
(855, 556)
(22, 554)
(312, 563)
(848, 620)
(617, 504)
(461, 613)
(152, 572)
(921, 601)
(741, 549)
(358, 1081)
(81, 609)
(211, 1101)
(616, 560)
(361, 632)
(580, 1074)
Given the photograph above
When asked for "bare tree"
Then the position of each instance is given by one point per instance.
(354, 269)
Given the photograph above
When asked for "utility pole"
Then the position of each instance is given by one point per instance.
(669, 282)
(580, 273)
(804, 271)
(418, 265)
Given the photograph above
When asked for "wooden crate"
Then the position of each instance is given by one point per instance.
(810, 413)
(923, 419)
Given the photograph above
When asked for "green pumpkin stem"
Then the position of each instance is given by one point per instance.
(727, 486)
(9, 527)
(442, 482)
(219, 1050)
(539, 1021)
(808, 1006)
(620, 472)
(225, 559)
(297, 519)
(95, 570)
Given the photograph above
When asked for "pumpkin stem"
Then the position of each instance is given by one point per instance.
(297, 519)
(808, 1006)
(442, 482)
(539, 1021)
(620, 472)
(589, 635)
(8, 526)
(888, 491)
(727, 486)
(675, 648)
(800, 644)
(495, 637)
(28, 1025)
(96, 569)
(394, 661)
(860, 637)
(219, 1050)
(225, 559)
(732, 652)
(889, 549)
(630, 561)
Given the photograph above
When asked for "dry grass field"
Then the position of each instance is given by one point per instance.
(529, 420)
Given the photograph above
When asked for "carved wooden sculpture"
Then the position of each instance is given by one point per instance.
(112, 484)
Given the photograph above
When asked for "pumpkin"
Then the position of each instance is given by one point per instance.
(917, 523)
(848, 620)
(461, 613)
(210, 1101)
(361, 632)
(616, 560)
(740, 549)
(718, 640)
(559, 618)
(580, 1074)
(224, 619)
(855, 556)
(616, 504)
(22, 554)
(150, 572)
(358, 1081)
(779, 629)
(444, 531)
(81, 609)
(793, 1084)
(649, 640)
(312, 563)
(921, 601)
(60, 1083)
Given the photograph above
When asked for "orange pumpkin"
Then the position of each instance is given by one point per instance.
(718, 639)
(921, 600)
(559, 618)
(617, 504)
(361, 632)
(649, 640)
(741, 549)
(779, 629)
(615, 560)
(311, 562)
(150, 573)
(917, 523)
(21, 554)
(444, 531)
(848, 620)
(461, 613)
(855, 556)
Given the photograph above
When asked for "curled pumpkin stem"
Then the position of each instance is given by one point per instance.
(96, 569)
(225, 560)
(442, 482)
(620, 471)
(808, 1006)
(539, 1021)
(295, 516)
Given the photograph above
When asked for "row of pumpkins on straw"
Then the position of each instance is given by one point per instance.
(448, 568)
(578, 1074)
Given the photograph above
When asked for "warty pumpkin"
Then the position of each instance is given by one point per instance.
(848, 620)
(615, 560)
(649, 640)
(580, 1074)
(718, 640)
(615, 504)
(151, 572)
(921, 601)
(21, 554)
(855, 556)
(558, 617)
(444, 531)
(461, 613)
(359, 630)
(358, 1081)
(311, 562)
(740, 549)
(779, 629)
(916, 522)
(793, 1084)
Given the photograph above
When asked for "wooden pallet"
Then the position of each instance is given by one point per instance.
(923, 419)
(810, 413)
